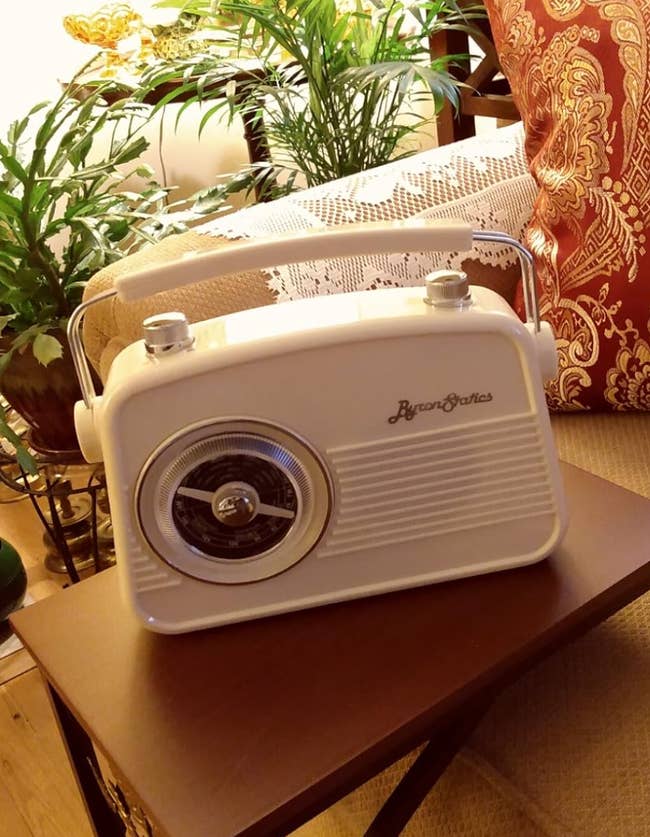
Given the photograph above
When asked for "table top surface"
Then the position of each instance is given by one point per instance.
(253, 728)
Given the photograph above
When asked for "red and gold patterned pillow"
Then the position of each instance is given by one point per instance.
(580, 75)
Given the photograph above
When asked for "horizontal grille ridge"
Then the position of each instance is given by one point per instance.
(436, 482)
(443, 465)
(409, 535)
(459, 433)
(443, 498)
(147, 575)
(493, 480)
(479, 511)
(405, 452)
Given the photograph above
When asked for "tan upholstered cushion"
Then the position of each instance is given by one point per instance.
(470, 799)
(112, 325)
(483, 183)
(616, 448)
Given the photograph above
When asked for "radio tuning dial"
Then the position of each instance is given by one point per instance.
(166, 334)
(447, 289)
(233, 501)
(235, 505)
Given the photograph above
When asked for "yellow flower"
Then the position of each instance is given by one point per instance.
(106, 27)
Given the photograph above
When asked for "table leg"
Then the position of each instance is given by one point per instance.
(104, 820)
(425, 771)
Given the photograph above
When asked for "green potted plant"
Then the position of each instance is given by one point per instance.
(340, 86)
(65, 212)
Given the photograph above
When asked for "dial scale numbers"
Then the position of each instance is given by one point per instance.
(272, 511)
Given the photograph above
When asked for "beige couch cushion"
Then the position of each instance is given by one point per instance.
(110, 326)
(471, 799)
(484, 183)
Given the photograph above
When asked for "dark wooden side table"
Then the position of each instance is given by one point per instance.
(254, 728)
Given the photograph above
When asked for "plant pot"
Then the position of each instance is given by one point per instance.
(43, 395)
(13, 580)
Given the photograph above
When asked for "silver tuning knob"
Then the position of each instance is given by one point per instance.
(447, 289)
(166, 334)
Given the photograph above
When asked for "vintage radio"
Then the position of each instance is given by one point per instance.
(324, 449)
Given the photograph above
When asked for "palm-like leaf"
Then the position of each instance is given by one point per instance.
(56, 179)
(336, 86)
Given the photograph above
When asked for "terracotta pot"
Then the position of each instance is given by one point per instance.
(43, 395)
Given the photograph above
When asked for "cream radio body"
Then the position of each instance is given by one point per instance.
(325, 449)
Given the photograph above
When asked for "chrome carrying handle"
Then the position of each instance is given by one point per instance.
(412, 235)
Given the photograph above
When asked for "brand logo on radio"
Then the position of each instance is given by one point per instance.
(408, 411)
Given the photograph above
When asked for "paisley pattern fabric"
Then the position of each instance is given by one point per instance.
(580, 76)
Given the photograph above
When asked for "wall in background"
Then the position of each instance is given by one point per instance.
(36, 52)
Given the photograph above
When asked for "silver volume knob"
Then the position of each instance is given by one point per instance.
(447, 289)
(165, 334)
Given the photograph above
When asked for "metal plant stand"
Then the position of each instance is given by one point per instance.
(78, 534)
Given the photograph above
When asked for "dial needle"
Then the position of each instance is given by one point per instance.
(262, 508)
(275, 511)
(196, 494)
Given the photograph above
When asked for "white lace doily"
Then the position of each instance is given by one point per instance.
(483, 180)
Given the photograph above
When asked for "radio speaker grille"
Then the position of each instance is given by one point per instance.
(148, 573)
(434, 483)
